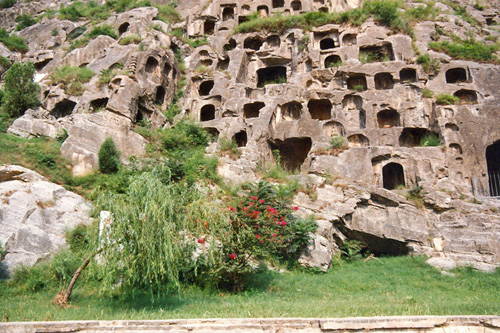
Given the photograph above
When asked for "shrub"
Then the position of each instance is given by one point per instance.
(351, 250)
(337, 142)
(168, 13)
(427, 93)
(132, 39)
(430, 140)
(430, 66)
(13, 42)
(229, 147)
(184, 135)
(24, 21)
(108, 74)
(196, 42)
(4, 62)
(103, 29)
(7, 3)
(71, 78)
(78, 10)
(467, 49)
(445, 99)
(109, 157)
(416, 192)
(21, 92)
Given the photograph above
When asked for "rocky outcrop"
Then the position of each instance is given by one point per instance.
(34, 216)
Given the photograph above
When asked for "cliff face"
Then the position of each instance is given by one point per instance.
(294, 91)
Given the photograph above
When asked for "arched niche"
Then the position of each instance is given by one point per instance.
(456, 75)
(209, 27)
(320, 109)
(493, 164)
(355, 116)
(273, 41)
(333, 128)
(160, 95)
(63, 108)
(357, 82)
(214, 133)
(293, 151)
(206, 87)
(253, 43)
(291, 111)
(241, 139)
(296, 6)
(271, 75)
(455, 148)
(230, 45)
(227, 13)
(207, 112)
(466, 96)
(332, 61)
(123, 28)
(327, 43)
(384, 81)
(151, 65)
(393, 176)
(408, 75)
(388, 118)
(278, 3)
(358, 140)
(263, 11)
(252, 110)
(349, 39)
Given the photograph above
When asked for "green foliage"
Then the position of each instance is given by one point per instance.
(108, 74)
(77, 32)
(158, 27)
(71, 78)
(337, 142)
(228, 146)
(21, 92)
(79, 238)
(131, 39)
(83, 10)
(24, 21)
(359, 88)
(416, 193)
(445, 99)
(4, 62)
(7, 3)
(430, 66)
(109, 157)
(430, 140)
(368, 57)
(103, 29)
(196, 42)
(351, 250)
(427, 93)
(13, 42)
(184, 135)
(467, 49)
(168, 13)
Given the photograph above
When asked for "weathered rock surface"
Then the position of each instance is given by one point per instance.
(34, 216)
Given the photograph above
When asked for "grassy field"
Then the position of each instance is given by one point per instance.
(390, 286)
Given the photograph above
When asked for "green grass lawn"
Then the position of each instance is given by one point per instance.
(390, 286)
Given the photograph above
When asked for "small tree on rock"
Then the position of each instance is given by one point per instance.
(21, 92)
(109, 157)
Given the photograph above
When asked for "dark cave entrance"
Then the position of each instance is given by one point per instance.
(493, 164)
(241, 139)
(320, 109)
(271, 75)
(206, 87)
(293, 151)
(393, 176)
(252, 110)
(207, 112)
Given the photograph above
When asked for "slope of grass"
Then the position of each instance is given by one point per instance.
(391, 286)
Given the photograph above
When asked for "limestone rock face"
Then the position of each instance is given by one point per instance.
(34, 216)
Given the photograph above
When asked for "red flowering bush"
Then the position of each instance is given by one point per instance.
(260, 226)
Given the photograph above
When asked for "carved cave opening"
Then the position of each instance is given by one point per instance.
(214, 133)
(493, 164)
(466, 96)
(167, 68)
(123, 28)
(332, 61)
(271, 75)
(349, 39)
(223, 64)
(209, 27)
(253, 43)
(160, 95)
(354, 114)
(296, 5)
(231, 45)
(384, 81)
(357, 82)
(98, 104)
(455, 148)
(408, 75)
(63, 108)
(151, 65)
(207, 112)
(452, 127)
(228, 13)
(320, 109)
(412, 136)
(273, 41)
(263, 11)
(293, 151)
(206, 87)
(456, 75)
(358, 140)
(326, 44)
(252, 110)
(393, 176)
(241, 138)
(278, 3)
(41, 64)
(378, 53)
(333, 128)
(291, 111)
(388, 118)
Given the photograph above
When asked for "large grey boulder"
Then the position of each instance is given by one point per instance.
(34, 216)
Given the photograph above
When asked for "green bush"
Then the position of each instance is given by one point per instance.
(103, 29)
(430, 140)
(109, 157)
(75, 33)
(467, 49)
(71, 78)
(168, 13)
(24, 21)
(132, 39)
(78, 10)
(337, 142)
(13, 42)
(185, 135)
(7, 3)
(427, 93)
(21, 92)
(445, 99)
(229, 147)
(78, 238)
(430, 66)
(4, 62)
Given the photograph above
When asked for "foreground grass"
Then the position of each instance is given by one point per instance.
(391, 286)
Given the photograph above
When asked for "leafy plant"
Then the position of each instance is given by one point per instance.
(359, 88)
(103, 29)
(108, 74)
(7, 3)
(13, 42)
(467, 49)
(430, 140)
(430, 66)
(78, 9)
(71, 78)
(351, 250)
(24, 21)
(229, 147)
(445, 99)
(109, 157)
(427, 93)
(416, 192)
(21, 92)
(168, 13)
(368, 57)
(131, 39)
(337, 142)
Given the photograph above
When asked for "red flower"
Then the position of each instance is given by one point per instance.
(257, 236)
(283, 223)
(262, 201)
(274, 235)
(250, 204)
(254, 198)
(201, 240)
(261, 241)
(232, 256)
(295, 208)
(231, 209)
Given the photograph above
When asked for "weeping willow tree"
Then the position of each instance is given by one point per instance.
(155, 233)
